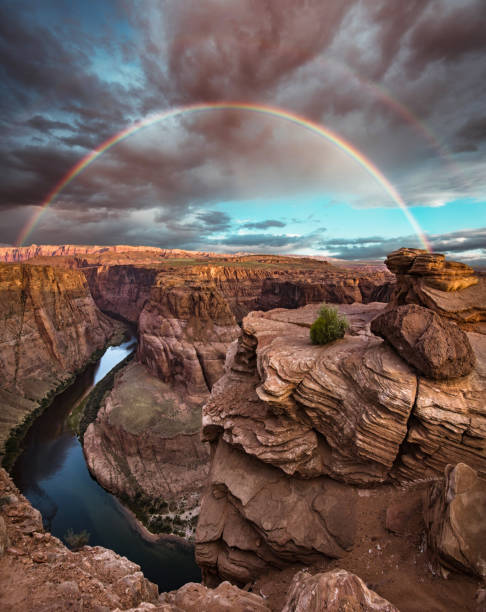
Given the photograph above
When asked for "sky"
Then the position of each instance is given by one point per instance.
(402, 83)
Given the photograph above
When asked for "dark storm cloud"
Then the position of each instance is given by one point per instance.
(215, 220)
(264, 224)
(43, 124)
(64, 89)
(217, 52)
(471, 135)
(448, 34)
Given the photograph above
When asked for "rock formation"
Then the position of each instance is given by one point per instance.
(334, 591)
(294, 428)
(226, 597)
(455, 511)
(450, 288)
(185, 329)
(50, 327)
(434, 346)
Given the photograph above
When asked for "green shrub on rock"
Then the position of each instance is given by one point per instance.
(328, 326)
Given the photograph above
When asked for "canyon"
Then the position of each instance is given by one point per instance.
(335, 459)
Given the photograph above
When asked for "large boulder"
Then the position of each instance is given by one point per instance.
(335, 591)
(434, 346)
(455, 511)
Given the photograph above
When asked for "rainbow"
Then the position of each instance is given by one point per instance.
(271, 111)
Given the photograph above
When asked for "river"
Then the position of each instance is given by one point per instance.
(52, 473)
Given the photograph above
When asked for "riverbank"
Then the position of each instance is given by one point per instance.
(51, 472)
(16, 435)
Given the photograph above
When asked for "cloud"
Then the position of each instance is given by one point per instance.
(214, 220)
(375, 247)
(263, 224)
(449, 34)
(403, 82)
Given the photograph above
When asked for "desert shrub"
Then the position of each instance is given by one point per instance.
(75, 541)
(328, 326)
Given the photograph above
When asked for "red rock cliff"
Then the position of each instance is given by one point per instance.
(49, 328)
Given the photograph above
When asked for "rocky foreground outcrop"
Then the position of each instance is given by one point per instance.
(39, 573)
(334, 591)
(49, 329)
(300, 433)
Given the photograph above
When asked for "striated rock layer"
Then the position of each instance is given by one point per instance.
(450, 288)
(295, 428)
(49, 329)
(436, 347)
(185, 329)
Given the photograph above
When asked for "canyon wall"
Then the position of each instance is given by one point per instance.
(49, 329)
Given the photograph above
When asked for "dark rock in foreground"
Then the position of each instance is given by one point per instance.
(455, 512)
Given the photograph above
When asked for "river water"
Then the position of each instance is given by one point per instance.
(52, 473)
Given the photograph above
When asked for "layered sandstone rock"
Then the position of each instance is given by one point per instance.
(120, 290)
(289, 419)
(450, 288)
(448, 423)
(335, 591)
(144, 446)
(253, 517)
(434, 346)
(185, 330)
(49, 329)
(455, 513)
(340, 410)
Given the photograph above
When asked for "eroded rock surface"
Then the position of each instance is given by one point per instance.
(335, 591)
(340, 410)
(448, 423)
(252, 516)
(226, 597)
(436, 347)
(185, 330)
(455, 512)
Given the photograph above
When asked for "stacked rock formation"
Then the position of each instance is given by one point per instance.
(296, 429)
(450, 288)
